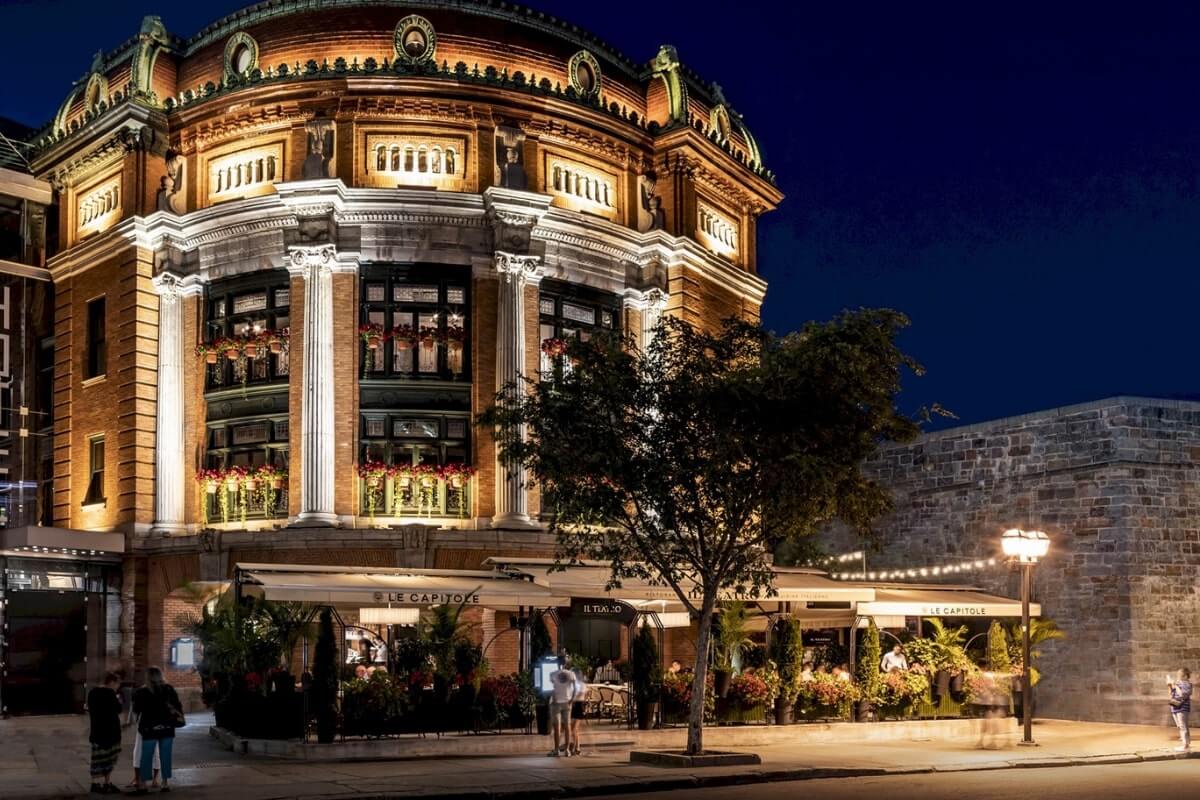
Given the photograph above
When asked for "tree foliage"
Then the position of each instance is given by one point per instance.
(870, 679)
(647, 667)
(787, 653)
(688, 463)
(997, 648)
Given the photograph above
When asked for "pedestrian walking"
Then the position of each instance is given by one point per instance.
(578, 709)
(1181, 706)
(104, 713)
(159, 714)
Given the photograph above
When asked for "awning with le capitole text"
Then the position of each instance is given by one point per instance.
(590, 578)
(395, 588)
(950, 602)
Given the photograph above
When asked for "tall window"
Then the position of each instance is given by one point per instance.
(567, 311)
(425, 314)
(246, 308)
(97, 343)
(95, 490)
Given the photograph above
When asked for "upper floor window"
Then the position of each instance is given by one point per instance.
(566, 311)
(253, 318)
(415, 324)
(95, 487)
(97, 339)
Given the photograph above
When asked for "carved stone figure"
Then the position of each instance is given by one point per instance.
(650, 213)
(170, 197)
(510, 166)
(320, 149)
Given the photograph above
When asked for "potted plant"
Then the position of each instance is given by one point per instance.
(232, 348)
(250, 346)
(372, 335)
(208, 352)
(275, 340)
(554, 347)
(372, 474)
(647, 677)
(455, 336)
(730, 641)
(403, 337)
(787, 653)
(1040, 631)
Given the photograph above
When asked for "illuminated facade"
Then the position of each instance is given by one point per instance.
(300, 250)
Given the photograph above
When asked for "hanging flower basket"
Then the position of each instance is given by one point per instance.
(277, 482)
(232, 353)
(211, 486)
(251, 484)
(554, 347)
(372, 334)
(210, 357)
(429, 336)
(275, 346)
(250, 349)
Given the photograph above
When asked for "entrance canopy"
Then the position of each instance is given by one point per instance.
(589, 578)
(944, 601)
(396, 588)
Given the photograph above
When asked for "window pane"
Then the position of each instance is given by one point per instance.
(246, 303)
(546, 305)
(415, 428)
(456, 429)
(456, 295)
(250, 434)
(217, 437)
(281, 430)
(375, 293)
(415, 294)
(283, 298)
(579, 314)
(375, 428)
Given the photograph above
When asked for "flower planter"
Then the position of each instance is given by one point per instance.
(232, 354)
(427, 481)
(403, 344)
(454, 357)
(372, 342)
(251, 484)
(646, 712)
(721, 681)
(251, 350)
(456, 481)
(783, 712)
(276, 483)
(374, 481)
(275, 347)
(210, 357)
(732, 711)
(211, 487)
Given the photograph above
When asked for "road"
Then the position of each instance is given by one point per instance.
(1153, 781)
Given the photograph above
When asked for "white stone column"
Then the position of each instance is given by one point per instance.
(516, 272)
(650, 304)
(316, 266)
(169, 456)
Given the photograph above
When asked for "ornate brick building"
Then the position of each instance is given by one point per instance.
(353, 221)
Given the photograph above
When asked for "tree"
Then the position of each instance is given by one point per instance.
(787, 653)
(325, 678)
(997, 649)
(870, 679)
(687, 463)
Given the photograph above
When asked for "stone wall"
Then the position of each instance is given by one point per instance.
(1114, 484)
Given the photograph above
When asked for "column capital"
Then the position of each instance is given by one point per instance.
(653, 299)
(520, 268)
(170, 287)
(301, 258)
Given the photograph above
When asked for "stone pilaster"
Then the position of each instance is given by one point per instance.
(170, 512)
(316, 266)
(650, 306)
(516, 272)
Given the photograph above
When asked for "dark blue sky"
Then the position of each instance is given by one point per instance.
(1020, 179)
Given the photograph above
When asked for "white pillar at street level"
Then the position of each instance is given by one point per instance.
(316, 265)
(515, 273)
(169, 457)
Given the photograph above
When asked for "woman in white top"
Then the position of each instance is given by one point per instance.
(578, 707)
(562, 694)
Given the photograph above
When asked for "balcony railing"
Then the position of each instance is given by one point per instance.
(240, 505)
(414, 497)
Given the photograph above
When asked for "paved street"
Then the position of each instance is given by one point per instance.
(47, 757)
(1159, 781)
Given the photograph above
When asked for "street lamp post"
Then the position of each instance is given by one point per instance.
(1025, 548)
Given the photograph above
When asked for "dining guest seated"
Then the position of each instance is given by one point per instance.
(675, 668)
(807, 672)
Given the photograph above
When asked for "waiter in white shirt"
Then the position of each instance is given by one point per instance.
(894, 660)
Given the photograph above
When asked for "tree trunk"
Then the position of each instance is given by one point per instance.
(695, 738)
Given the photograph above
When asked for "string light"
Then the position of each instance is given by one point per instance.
(903, 573)
(841, 558)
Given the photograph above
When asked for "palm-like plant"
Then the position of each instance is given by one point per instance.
(731, 639)
(443, 628)
(1040, 631)
(948, 645)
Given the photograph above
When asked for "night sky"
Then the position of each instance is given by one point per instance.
(1021, 180)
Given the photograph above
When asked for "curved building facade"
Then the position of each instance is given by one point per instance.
(301, 249)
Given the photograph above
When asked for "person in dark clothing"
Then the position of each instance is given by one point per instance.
(159, 714)
(104, 711)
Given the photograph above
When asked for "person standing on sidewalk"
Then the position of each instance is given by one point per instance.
(104, 712)
(159, 714)
(578, 709)
(1181, 706)
(562, 695)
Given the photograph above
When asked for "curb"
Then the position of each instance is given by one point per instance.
(678, 782)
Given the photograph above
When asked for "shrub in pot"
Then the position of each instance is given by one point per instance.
(647, 677)
(787, 652)
(870, 679)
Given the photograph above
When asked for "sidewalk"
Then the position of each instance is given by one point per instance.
(47, 757)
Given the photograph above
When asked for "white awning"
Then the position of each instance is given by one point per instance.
(589, 579)
(926, 602)
(396, 588)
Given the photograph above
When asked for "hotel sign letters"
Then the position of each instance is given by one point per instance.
(429, 598)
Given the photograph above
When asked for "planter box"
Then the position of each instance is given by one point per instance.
(729, 711)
